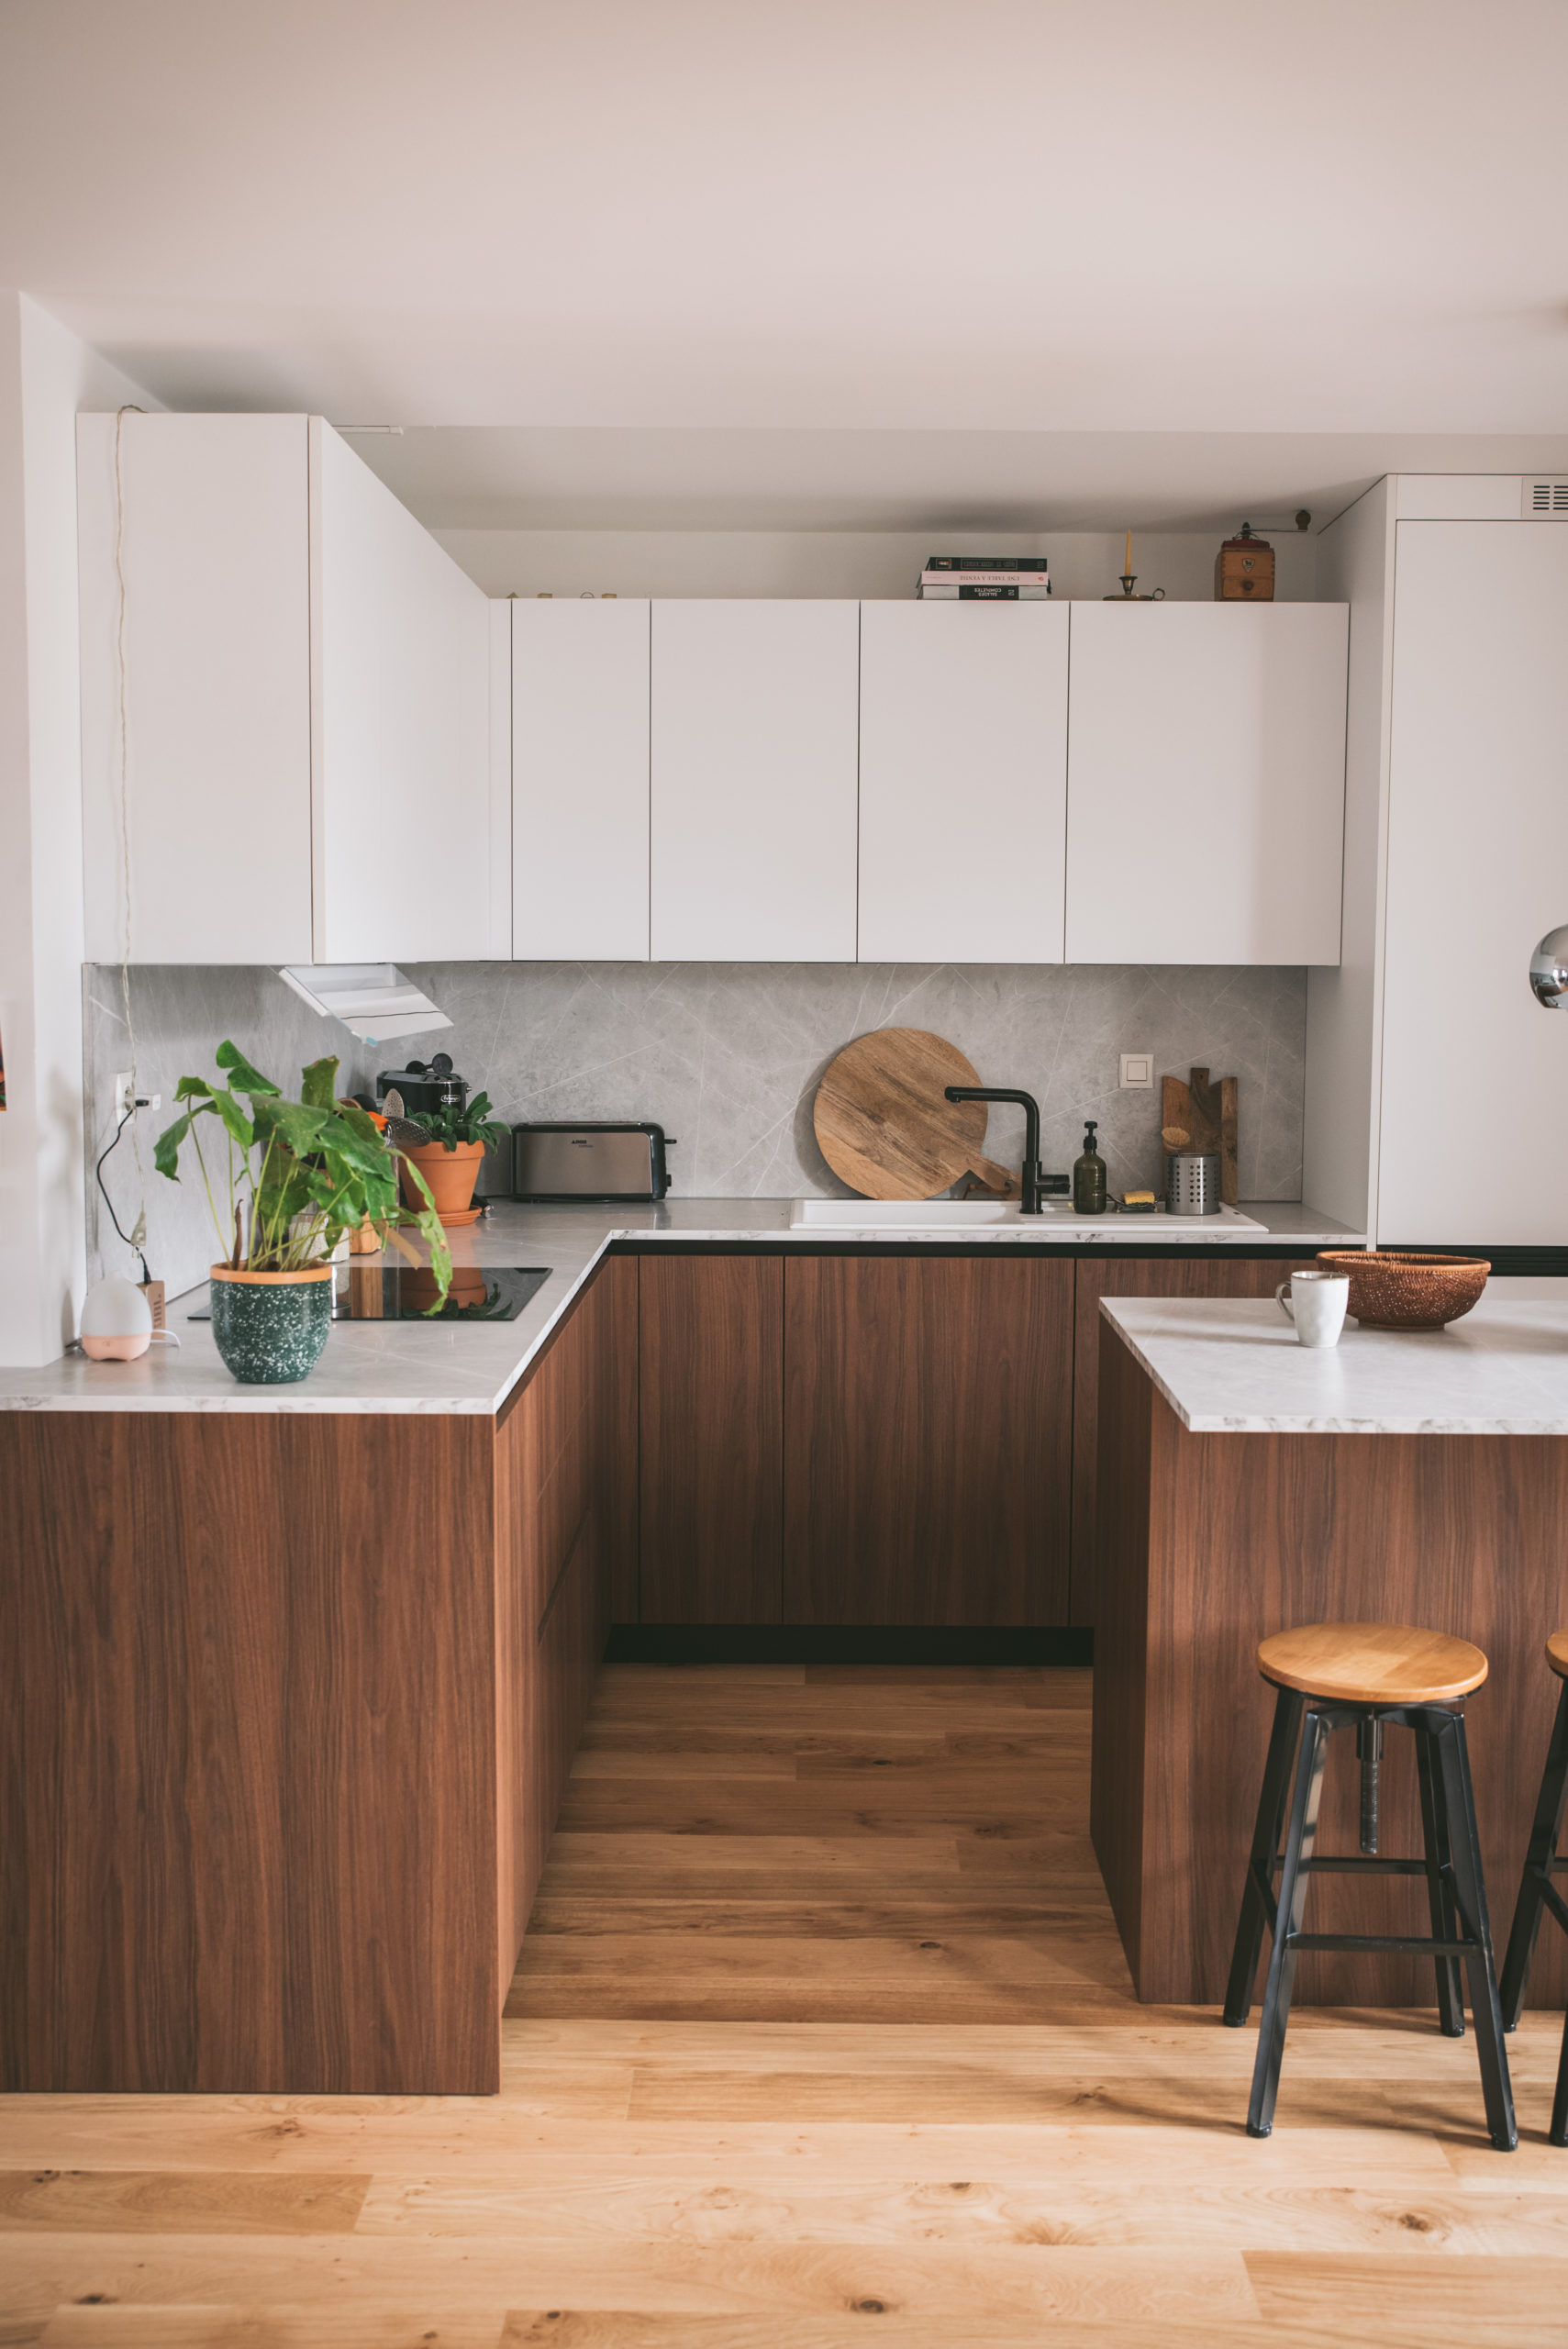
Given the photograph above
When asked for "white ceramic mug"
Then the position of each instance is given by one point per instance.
(1315, 1302)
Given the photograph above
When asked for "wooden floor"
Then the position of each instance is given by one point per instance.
(822, 2035)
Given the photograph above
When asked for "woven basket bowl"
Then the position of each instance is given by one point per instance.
(1390, 1290)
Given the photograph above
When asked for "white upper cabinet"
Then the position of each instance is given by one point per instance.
(754, 747)
(306, 686)
(1477, 866)
(580, 779)
(964, 782)
(400, 689)
(1205, 783)
(216, 688)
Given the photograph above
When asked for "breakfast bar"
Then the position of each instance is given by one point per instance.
(1248, 1484)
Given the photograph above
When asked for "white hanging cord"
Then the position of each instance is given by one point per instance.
(139, 1229)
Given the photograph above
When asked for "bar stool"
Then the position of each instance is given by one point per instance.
(1340, 1676)
(1536, 1890)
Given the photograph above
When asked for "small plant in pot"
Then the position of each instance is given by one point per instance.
(448, 1166)
(295, 1178)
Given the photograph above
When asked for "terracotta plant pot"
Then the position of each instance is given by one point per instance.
(270, 1328)
(451, 1174)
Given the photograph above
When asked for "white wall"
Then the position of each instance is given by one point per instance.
(841, 563)
(1344, 1008)
(46, 375)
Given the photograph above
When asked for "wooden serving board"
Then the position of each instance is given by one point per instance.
(1207, 1113)
(884, 1127)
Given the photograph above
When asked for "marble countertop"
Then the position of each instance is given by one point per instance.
(1233, 1367)
(408, 1366)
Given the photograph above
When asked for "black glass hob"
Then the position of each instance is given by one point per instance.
(369, 1289)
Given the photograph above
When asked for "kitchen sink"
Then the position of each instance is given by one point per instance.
(959, 1214)
(913, 1215)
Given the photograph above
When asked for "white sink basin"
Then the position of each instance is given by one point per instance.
(911, 1215)
(958, 1215)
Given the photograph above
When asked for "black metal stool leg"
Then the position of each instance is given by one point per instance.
(1294, 1878)
(1543, 1841)
(1459, 1799)
(1271, 1806)
(1439, 1888)
(1558, 2133)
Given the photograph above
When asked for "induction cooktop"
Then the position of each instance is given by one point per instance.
(369, 1289)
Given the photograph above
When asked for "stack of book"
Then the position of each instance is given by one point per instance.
(985, 579)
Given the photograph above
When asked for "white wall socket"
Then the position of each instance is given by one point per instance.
(1138, 1072)
(123, 1096)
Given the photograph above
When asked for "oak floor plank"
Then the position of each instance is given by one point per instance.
(239, 2326)
(173, 2202)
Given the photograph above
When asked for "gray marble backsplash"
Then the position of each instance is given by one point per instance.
(725, 1056)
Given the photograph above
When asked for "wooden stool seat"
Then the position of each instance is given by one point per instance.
(1377, 1664)
(1557, 1653)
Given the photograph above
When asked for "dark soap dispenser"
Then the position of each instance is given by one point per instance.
(1089, 1177)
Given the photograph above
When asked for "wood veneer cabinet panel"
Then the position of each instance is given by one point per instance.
(711, 1384)
(1159, 1276)
(928, 1419)
(565, 1537)
(1226, 1538)
(249, 1765)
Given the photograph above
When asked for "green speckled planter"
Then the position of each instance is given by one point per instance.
(270, 1328)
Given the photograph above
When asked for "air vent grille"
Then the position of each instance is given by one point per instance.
(1545, 501)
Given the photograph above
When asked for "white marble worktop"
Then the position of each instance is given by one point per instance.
(1234, 1367)
(412, 1366)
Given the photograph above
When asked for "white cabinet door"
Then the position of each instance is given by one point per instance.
(401, 718)
(1477, 872)
(754, 725)
(1205, 783)
(580, 779)
(964, 782)
(214, 547)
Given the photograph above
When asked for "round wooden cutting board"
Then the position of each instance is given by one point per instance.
(881, 1123)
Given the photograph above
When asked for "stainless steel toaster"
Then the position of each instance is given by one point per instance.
(553, 1163)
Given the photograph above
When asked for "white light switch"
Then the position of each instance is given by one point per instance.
(1138, 1072)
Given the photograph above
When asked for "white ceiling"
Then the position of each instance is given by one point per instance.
(833, 260)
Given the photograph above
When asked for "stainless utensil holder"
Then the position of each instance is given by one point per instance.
(1191, 1183)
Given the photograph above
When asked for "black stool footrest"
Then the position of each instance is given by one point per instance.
(1384, 1944)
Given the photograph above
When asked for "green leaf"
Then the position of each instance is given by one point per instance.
(189, 1088)
(300, 1128)
(318, 1088)
(242, 1077)
(234, 1118)
(166, 1151)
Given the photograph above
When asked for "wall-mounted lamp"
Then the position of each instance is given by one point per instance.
(1549, 970)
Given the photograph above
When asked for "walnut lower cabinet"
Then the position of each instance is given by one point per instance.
(927, 1439)
(287, 1702)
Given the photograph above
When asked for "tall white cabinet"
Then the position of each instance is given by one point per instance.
(963, 782)
(753, 755)
(1205, 783)
(1477, 872)
(305, 696)
(580, 805)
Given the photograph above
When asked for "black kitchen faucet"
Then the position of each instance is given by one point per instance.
(1032, 1179)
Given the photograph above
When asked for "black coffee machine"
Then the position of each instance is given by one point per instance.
(424, 1085)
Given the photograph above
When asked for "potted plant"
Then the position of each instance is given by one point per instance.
(448, 1166)
(296, 1177)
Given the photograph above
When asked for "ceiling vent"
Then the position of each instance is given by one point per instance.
(1544, 501)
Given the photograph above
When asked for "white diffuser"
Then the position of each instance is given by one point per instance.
(116, 1320)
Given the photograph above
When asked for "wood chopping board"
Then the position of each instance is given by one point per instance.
(884, 1127)
(1206, 1113)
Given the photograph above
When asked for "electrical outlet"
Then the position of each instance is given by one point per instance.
(1138, 1072)
(123, 1102)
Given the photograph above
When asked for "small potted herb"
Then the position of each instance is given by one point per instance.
(294, 1179)
(448, 1166)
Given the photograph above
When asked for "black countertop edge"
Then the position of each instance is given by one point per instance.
(1302, 1251)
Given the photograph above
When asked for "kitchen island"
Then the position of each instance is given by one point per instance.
(1248, 1484)
(291, 1678)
